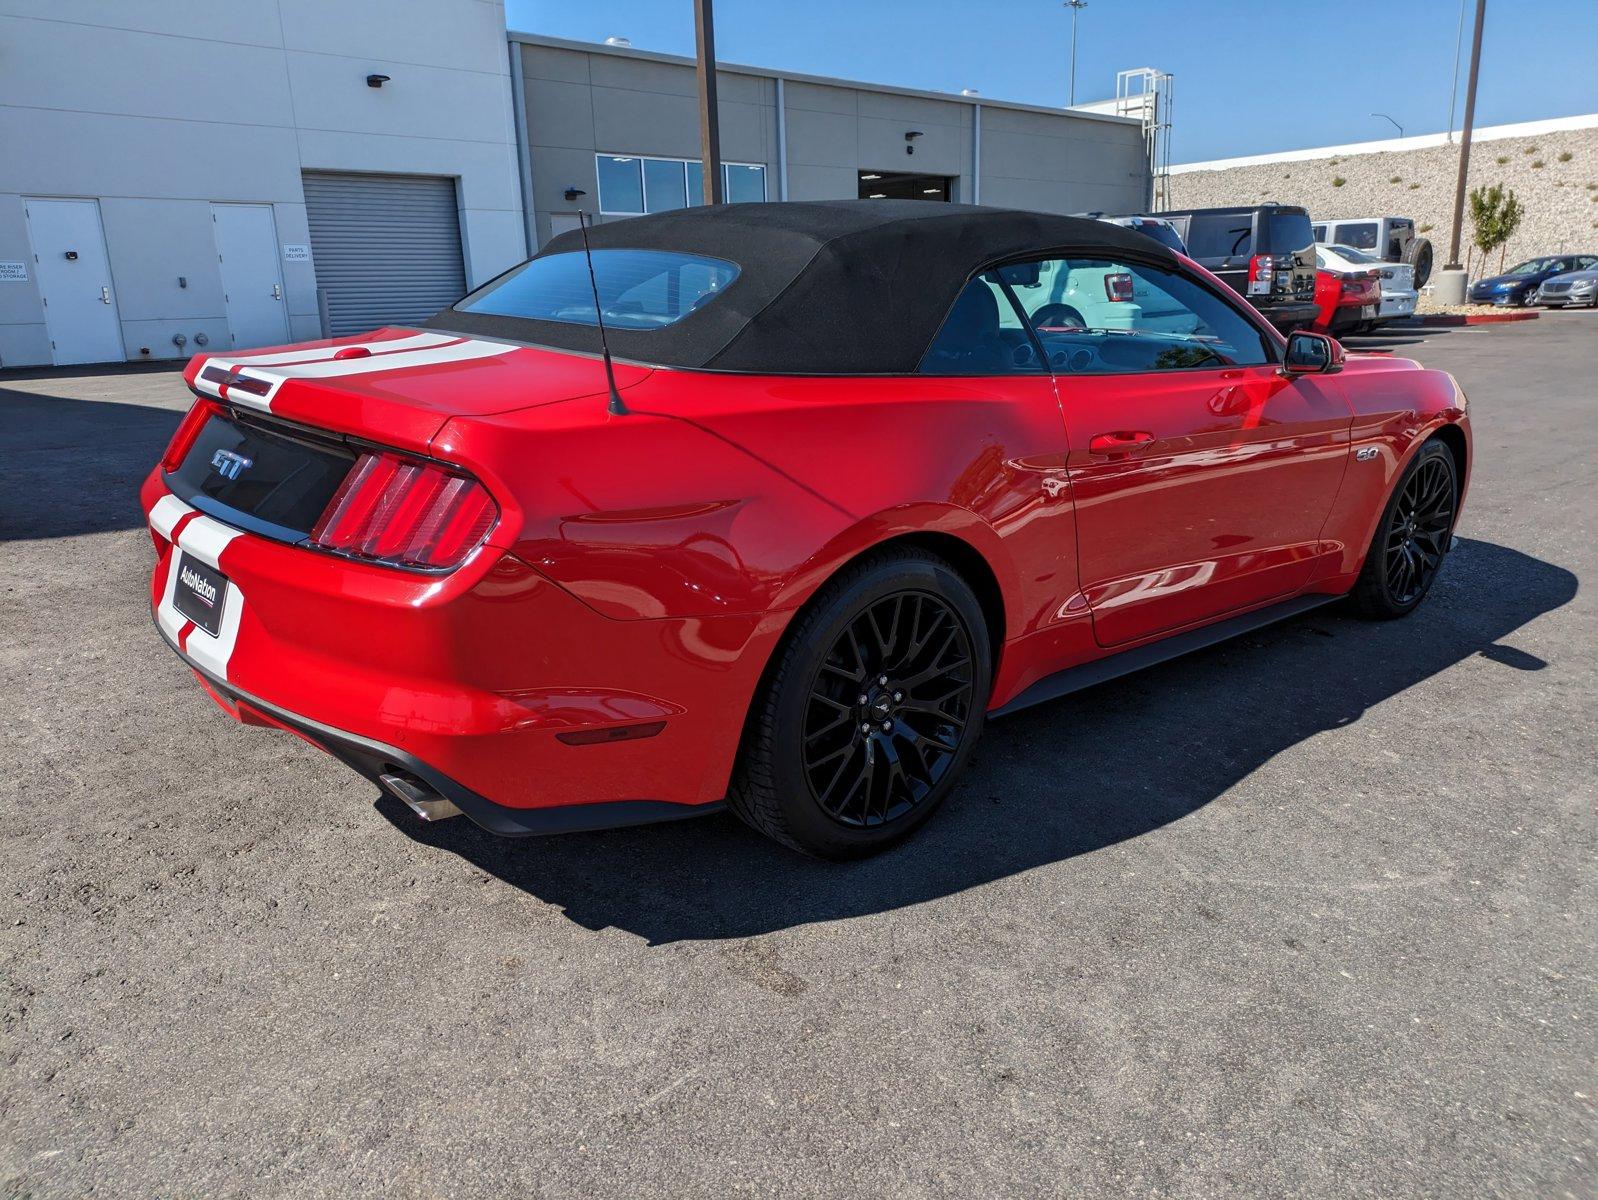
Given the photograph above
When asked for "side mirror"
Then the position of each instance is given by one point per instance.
(1312, 354)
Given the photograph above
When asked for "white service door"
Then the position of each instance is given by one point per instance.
(563, 222)
(252, 284)
(80, 309)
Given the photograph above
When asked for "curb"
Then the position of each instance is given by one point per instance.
(1435, 320)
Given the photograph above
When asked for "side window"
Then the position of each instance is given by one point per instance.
(982, 335)
(1359, 234)
(1098, 316)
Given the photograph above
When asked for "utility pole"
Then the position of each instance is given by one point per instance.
(1075, 6)
(1451, 281)
(709, 119)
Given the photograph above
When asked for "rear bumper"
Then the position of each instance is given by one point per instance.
(372, 760)
(1287, 314)
(1396, 305)
(1350, 316)
(497, 687)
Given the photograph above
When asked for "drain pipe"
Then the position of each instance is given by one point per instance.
(976, 153)
(782, 142)
(524, 165)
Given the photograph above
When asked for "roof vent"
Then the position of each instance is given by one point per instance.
(616, 41)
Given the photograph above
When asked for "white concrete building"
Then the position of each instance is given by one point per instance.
(198, 169)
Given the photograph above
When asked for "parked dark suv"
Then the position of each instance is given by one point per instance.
(1265, 252)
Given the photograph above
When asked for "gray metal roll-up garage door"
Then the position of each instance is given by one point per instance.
(386, 247)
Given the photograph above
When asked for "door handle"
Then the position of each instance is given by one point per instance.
(277, 291)
(105, 295)
(1121, 441)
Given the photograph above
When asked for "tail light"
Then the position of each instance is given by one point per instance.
(1261, 270)
(1359, 288)
(406, 512)
(1118, 286)
(188, 429)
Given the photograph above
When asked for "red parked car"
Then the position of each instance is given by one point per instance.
(855, 489)
(1346, 300)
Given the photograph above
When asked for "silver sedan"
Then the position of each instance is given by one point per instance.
(1570, 289)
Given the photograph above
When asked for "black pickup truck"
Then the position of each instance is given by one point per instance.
(1264, 252)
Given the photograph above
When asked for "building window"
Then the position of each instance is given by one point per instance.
(621, 185)
(663, 185)
(633, 184)
(743, 184)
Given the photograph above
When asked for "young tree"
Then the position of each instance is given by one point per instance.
(1495, 215)
(1509, 217)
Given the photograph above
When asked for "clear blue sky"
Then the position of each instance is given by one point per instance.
(1252, 76)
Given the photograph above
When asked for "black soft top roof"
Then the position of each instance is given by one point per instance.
(829, 287)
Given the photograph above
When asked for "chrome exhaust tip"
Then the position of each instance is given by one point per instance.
(424, 801)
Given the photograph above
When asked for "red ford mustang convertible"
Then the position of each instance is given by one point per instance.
(864, 477)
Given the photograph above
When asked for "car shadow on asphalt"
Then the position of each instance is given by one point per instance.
(78, 463)
(1046, 785)
(1390, 338)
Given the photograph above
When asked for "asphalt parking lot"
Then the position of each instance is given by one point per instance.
(1311, 913)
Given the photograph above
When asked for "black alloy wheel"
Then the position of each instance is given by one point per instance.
(869, 710)
(887, 709)
(1413, 537)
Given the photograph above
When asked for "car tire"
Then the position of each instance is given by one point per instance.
(1412, 538)
(838, 764)
(1418, 255)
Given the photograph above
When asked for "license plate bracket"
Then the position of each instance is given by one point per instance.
(200, 593)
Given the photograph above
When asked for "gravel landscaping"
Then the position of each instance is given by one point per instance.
(1555, 176)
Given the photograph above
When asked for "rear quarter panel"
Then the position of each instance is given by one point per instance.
(1398, 405)
(727, 494)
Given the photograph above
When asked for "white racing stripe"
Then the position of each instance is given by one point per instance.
(416, 341)
(205, 539)
(450, 350)
(309, 354)
(168, 511)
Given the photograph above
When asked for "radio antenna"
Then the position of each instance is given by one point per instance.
(616, 407)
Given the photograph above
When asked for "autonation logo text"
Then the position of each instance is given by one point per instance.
(199, 585)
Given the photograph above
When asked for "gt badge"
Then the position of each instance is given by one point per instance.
(230, 465)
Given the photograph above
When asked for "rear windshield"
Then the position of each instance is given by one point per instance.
(1162, 233)
(640, 289)
(1359, 234)
(1220, 235)
(1287, 232)
(1354, 255)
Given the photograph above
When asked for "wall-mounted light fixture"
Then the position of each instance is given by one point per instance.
(573, 193)
(376, 80)
(910, 136)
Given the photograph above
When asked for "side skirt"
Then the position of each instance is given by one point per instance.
(1102, 670)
